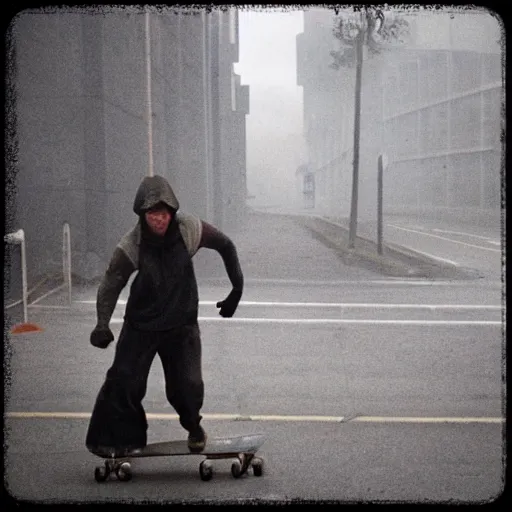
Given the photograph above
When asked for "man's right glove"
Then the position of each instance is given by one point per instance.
(101, 337)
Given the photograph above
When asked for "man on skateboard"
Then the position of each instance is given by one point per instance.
(160, 318)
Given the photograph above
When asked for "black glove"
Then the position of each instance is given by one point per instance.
(229, 304)
(101, 337)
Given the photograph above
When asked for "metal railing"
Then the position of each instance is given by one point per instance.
(18, 237)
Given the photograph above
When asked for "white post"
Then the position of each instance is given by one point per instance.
(66, 258)
(420, 170)
(24, 277)
(148, 90)
(449, 103)
(482, 133)
(18, 237)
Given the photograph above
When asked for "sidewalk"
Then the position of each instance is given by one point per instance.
(278, 247)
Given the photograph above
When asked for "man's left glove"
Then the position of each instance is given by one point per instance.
(101, 337)
(229, 304)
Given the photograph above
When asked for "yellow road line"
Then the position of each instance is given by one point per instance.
(413, 419)
(70, 415)
(267, 417)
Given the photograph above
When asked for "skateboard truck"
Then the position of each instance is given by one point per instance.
(242, 449)
(123, 470)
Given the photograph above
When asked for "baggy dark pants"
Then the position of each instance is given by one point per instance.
(118, 422)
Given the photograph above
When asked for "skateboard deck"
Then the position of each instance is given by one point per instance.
(240, 448)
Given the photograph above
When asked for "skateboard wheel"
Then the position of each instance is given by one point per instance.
(257, 466)
(124, 472)
(101, 473)
(205, 471)
(236, 469)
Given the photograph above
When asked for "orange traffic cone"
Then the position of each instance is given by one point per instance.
(23, 328)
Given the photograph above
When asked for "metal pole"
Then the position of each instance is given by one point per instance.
(18, 237)
(379, 204)
(66, 255)
(148, 90)
(24, 278)
(357, 124)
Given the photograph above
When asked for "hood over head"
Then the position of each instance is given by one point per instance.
(153, 190)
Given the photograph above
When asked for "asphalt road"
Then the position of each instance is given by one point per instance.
(367, 389)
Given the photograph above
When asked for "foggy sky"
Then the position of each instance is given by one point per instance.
(267, 63)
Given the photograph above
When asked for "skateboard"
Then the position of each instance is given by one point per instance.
(240, 448)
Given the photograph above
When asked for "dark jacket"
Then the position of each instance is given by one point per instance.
(164, 293)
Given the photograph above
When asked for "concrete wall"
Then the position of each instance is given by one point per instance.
(59, 133)
(81, 125)
(400, 114)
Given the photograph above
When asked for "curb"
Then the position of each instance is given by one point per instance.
(396, 260)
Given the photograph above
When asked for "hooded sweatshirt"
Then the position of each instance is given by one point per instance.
(164, 292)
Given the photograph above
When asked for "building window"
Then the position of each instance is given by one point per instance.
(437, 75)
(233, 89)
(465, 179)
(466, 119)
(466, 71)
(491, 117)
(408, 84)
(232, 26)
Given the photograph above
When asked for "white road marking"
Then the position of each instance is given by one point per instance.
(444, 238)
(308, 282)
(343, 305)
(356, 305)
(340, 321)
(47, 306)
(486, 238)
(119, 301)
(391, 281)
(273, 417)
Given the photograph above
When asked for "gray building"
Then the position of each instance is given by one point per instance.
(433, 106)
(80, 118)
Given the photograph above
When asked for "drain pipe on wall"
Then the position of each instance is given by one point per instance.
(148, 91)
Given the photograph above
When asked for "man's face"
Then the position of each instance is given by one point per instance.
(158, 219)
